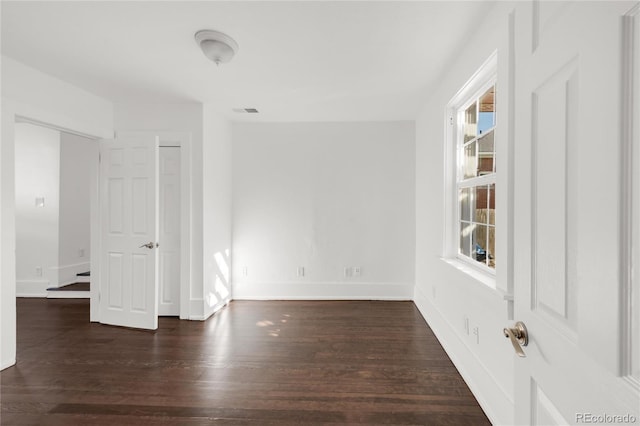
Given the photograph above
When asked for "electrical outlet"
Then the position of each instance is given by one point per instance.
(466, 325)
(357, 271)
(38, 271)
(301, 271)
(348, 272)
(433, 292)
(81, 253)
(245, 271)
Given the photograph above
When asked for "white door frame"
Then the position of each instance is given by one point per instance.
(165, 138)
(169, 148)
(184, 140)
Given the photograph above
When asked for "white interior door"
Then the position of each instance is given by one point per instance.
(169, 250)
(129, 231)
(568, 273)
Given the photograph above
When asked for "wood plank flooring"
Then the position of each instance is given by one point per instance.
(259, 363)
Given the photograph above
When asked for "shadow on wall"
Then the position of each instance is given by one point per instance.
(221, 289)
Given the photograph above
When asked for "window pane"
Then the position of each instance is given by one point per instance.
(465, 238)
(492, 204)
(479, 242)
(485, 154)
(487, 118)
(492, 247)
(479, 210)
(470, 123)
(465, 204)
(476, 157)
(469, 166)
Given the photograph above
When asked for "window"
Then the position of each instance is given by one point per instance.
(473, 219)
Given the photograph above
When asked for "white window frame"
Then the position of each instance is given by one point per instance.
(478, 84)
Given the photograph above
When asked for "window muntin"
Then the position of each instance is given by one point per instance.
(476, 179)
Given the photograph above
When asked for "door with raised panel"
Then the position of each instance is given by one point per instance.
(129, 231)
(569, 287)
(169, 250)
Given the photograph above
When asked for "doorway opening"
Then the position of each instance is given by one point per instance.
(53, 171)
(58, 211)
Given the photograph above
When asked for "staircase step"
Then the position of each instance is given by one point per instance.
(70, 291)
(68, 295)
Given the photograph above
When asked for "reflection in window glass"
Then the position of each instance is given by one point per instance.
(479, 243)
(491, 204)
(465, 238)
(470, 122)
(491, 255)
(481, 212)
(486, 154)
(470, 168)
(465, 204)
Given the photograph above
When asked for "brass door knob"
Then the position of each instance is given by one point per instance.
(519, 337)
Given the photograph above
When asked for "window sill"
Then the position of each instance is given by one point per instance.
(489, 280)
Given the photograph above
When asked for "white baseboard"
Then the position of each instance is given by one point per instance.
(32, 288)
(322, 291)
(215, 309)
(7, 363)
(497, 405)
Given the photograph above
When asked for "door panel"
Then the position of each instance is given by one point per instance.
(553, 137)
(128, 184)
(567, 212)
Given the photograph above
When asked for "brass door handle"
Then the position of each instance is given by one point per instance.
(519, 337)
(149, 245)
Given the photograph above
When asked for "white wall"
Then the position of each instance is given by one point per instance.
(37, 161)
(216, 226)
(323, 196)
(74, 242)
(444, 294)
(30, 93)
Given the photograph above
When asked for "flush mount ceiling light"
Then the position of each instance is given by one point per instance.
(216, 46)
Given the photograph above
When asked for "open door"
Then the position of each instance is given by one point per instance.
(569, 283)
(129, 231)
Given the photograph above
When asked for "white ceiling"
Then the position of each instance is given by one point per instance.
(298, 61)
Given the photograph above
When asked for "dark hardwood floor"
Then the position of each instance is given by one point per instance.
(260, 363)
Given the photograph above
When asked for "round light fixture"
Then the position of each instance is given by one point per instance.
(216, 46)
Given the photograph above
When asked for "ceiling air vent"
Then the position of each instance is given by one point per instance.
(246, 110)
